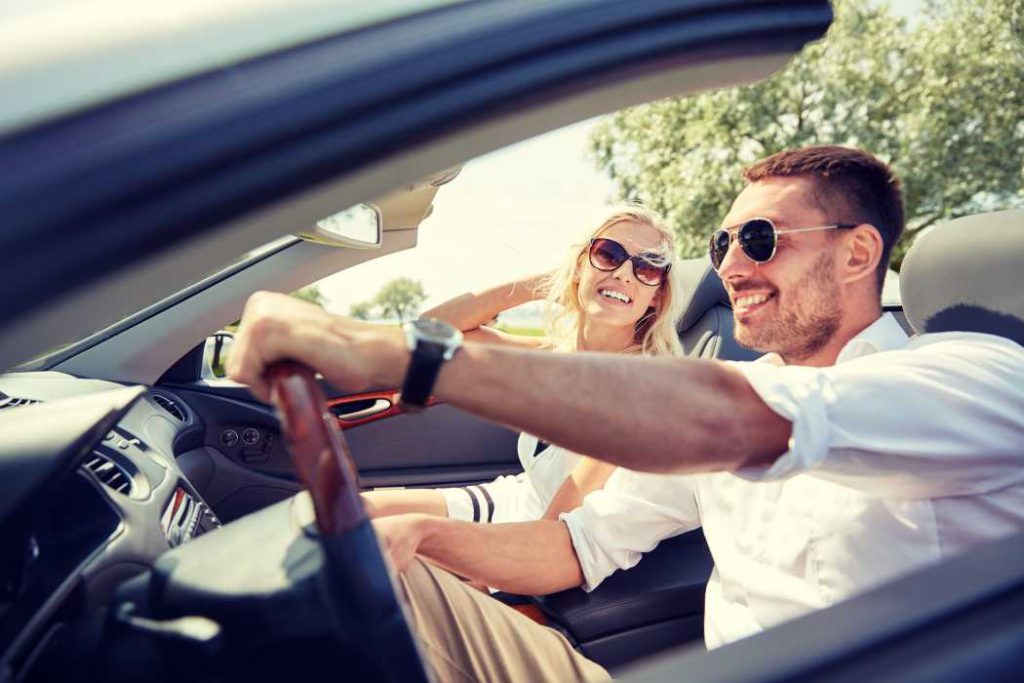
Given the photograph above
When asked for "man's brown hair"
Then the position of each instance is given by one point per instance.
(850, 186)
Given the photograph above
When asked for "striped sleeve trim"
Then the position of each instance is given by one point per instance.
(488, 500)
(476, 503)
(483, 504)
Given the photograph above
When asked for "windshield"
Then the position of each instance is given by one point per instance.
(69, 347)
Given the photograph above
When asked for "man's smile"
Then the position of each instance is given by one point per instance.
(748, 303)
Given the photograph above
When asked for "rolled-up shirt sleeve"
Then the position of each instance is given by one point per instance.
(942, 417)
(634, 511)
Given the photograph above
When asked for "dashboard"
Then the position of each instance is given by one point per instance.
(90, 495)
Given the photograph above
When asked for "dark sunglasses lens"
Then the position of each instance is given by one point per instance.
(719, 247)
(607, 255)
(648, 273)
(757, 237)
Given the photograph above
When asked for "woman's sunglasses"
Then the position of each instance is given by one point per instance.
(758, 238)
(608, 255)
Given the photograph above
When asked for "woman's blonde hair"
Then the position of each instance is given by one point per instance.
(655, 333)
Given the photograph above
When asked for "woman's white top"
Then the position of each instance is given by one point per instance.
(519, 497)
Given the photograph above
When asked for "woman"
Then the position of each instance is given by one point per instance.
(615, 292)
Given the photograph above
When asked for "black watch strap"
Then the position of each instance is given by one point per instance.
(424, 365)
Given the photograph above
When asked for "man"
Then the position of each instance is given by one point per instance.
(849, 455)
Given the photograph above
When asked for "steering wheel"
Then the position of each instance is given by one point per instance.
(359, 587)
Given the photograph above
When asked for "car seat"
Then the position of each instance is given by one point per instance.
(706, 327)
(966, 276)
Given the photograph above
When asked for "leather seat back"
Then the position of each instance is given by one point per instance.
(706, 328)
(965, 276)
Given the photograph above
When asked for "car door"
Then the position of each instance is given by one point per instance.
(235, 457)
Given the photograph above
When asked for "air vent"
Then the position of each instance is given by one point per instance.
(13, 402)
(170, 406)
(110, 473)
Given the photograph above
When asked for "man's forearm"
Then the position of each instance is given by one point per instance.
(654, 414)
(531, 558)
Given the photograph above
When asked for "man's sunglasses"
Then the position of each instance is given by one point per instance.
(758, 238)
(607, 255)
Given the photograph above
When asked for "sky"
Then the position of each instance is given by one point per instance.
(509, 214)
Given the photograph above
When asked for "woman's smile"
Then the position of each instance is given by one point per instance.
(615, 296)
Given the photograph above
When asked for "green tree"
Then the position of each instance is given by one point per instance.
(362, 310)
(312, 294)
(940, 99)
(400, 298)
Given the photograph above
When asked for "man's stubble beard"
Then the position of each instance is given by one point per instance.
(807, 316)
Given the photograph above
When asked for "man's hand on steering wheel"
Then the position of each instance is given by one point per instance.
(351, 354)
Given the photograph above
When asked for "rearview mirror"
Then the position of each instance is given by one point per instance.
(357, 227)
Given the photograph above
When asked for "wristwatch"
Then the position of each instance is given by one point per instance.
(431, 343)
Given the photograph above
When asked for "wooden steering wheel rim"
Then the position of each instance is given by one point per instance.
(321, 454)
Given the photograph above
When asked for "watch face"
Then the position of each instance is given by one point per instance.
(435, 330)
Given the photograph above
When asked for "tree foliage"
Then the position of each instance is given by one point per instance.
(400, 298)
(361, 310)
(940, 98)
(312, 294)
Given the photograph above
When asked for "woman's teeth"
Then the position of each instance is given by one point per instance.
(617, 296)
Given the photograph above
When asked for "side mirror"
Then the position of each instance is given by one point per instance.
(215, 354)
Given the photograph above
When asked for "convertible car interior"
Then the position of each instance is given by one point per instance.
(159, 523)
(190, 453)
(153, 469)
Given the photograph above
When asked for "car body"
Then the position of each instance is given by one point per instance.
(218, 136)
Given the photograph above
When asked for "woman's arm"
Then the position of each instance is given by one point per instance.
(403, 501)
(588, 475)
(471, 311)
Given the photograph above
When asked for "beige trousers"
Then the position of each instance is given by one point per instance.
(465, 635)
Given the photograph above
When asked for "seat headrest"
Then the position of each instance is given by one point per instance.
(967, 276)
(702, 289)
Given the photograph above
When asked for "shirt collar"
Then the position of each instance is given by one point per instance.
(885, 334)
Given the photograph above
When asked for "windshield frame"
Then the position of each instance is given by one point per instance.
(51, 358)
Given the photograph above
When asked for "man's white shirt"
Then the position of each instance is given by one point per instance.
(905, 452)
